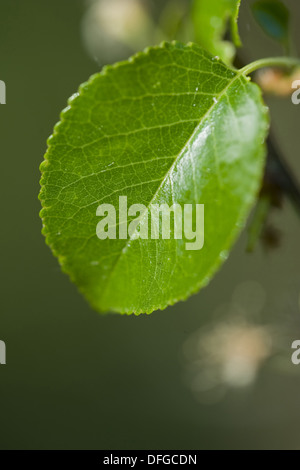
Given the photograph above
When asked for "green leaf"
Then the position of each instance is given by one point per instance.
(273, 17)
(210, 19)
(234, 24)
(171, 125)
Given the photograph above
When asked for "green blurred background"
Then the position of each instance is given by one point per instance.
(78, 380)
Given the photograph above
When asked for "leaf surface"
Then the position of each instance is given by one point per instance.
(171, 125)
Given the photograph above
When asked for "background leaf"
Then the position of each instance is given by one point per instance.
(211, 20)
(171, 125)
(273, 17)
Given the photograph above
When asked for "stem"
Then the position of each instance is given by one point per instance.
(270, 62)
(279, 174)
(259, 219)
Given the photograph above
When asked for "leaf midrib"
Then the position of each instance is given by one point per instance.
(238, 75)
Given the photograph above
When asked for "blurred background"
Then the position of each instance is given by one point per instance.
(214, 372)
